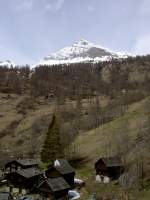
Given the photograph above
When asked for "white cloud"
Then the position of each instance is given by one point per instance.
(24, 5)
(142, 46)
(59, 4)
(91, 8)
(48, 7)
(54, 5)
(145, 7)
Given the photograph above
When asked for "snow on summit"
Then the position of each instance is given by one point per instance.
(81, 51)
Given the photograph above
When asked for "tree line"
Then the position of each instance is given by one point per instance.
(84, 79)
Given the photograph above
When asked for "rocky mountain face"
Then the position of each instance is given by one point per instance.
(81, 51)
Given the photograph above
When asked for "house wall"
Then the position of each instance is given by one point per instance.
(115, 172)
(47, 192)
(101, 168)
(31, 182)
(19, 181)
(16, 180)
(69, 178)
(13, 166)
(61, 194)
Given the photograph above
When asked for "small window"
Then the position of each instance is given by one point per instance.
(13, 167)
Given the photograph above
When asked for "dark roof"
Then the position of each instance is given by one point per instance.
(57, 184)
(4, 196)
(25, 162)
(64, 167)
(28, 173)
(111, 161)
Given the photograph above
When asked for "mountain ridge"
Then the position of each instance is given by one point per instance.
(81, 51)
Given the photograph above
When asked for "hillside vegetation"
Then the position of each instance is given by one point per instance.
(102, 141)
(127, 136)
(102, 109)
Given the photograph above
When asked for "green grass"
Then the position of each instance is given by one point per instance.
(141, 195)
(94, 143)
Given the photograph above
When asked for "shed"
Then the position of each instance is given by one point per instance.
(109, 166)
(5, 196)
(25, 178)
(54, 188)
(20, 164)
(62, 168)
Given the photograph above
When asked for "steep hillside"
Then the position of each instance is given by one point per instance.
(127, 136)
(24, 123)
(22, 120)
(102, 141)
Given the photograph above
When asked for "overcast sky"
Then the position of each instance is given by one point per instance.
(32, 29)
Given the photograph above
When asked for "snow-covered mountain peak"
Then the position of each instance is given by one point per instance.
(81, 51)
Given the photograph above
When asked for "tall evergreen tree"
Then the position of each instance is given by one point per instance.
(52, 148)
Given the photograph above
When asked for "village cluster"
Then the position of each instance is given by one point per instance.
(24, 180)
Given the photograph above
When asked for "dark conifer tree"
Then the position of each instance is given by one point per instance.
(52, 148)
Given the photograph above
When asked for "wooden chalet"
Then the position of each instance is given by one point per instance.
(54, 188)
(25, 178)
(20, 164)
(5, 196)
(111, 167)
(61, 168)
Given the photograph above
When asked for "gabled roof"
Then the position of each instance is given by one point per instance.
(28, 173)
(111, 161)
(4, 196)
(27, 162)
(56, 184)
(63, 166)
(24, 162)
